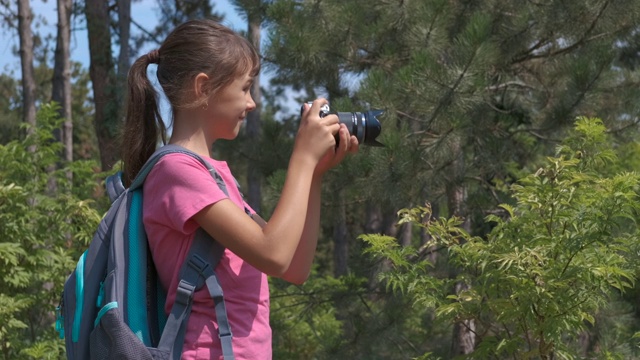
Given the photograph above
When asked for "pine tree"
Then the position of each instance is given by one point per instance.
(474, 91)
(551, 268)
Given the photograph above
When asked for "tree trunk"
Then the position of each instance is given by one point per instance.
(254, 123)
(464, 336)
(373, 219)
(61, 84)
(124, 26)
(26, 60)
(340, 237)
(101, 71)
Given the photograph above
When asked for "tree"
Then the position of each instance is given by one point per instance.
(49, 86)
(103, 79)
(61, 83)
(124, 56)
(124, 27)
(26, 60)
(474, 92)
(35, 252)
(551, 262)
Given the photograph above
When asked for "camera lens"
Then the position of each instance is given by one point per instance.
(365, 126)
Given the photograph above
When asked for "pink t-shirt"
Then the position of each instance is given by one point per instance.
(177, 188)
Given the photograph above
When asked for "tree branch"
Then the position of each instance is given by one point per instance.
(147, 32)
(583, 40)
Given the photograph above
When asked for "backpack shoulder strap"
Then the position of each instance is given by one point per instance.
(114, 186)
(197, 270)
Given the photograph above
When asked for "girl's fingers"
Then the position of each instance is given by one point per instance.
(334, 128)
(330, 119)
(354, 144)
(344, 138)
(344, 145)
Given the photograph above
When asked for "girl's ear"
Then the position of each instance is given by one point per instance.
(199, 85)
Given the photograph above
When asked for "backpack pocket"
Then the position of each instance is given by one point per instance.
(112, 339)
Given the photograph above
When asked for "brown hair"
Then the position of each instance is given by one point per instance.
(196, 46)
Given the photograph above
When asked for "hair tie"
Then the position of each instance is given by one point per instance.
(154, 56)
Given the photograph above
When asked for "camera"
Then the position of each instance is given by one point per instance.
(365, 126)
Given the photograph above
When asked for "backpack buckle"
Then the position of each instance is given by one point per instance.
(199, 265)
(184, 293)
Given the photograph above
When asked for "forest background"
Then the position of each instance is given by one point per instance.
(498, 222)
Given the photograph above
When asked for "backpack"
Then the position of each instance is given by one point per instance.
(112, 305)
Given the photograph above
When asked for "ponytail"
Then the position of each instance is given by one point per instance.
(143, 125)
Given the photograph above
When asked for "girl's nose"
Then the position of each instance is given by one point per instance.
(251, 105)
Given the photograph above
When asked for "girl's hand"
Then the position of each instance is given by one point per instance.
(315, 134)
(347, 144)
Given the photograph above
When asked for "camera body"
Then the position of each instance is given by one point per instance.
(365, 126)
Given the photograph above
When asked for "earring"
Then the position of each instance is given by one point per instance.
(205, 106)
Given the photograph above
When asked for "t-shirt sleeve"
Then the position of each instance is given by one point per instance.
(176, 189)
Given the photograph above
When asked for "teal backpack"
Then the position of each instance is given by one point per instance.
(112, 306)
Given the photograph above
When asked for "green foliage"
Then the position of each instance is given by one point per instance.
(10, 102)
(343, 318)
(304, 319)
(474, 91)
(475, 94)
(44, 225)
(548, 267)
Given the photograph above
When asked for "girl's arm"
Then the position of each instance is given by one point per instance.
(300, 266)
(272, 248)
(301, 263)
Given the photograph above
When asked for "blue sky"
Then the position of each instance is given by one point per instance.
(143, 12)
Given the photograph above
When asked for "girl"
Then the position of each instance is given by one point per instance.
(206, 71)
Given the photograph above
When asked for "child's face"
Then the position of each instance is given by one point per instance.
(228, 108)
